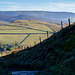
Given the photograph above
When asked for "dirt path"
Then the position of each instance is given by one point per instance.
(24, 72)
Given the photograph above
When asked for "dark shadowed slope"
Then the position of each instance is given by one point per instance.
(53, 56)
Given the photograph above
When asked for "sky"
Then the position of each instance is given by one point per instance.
(38, 5)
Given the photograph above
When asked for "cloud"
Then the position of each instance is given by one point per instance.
(13, 8)
(62, 6)
(51, 6)
(8, 3)
(48, 6)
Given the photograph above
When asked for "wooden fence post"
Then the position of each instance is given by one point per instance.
(27, 46)
(2, 46)
(54, 36)
(30, 46)
(69, 22)
(5, 49)
(14, 46)
(47, 34)
(34, 42)
(61, 25)
(18, 48)
(1, 52)
(23, 47)
(40, 39)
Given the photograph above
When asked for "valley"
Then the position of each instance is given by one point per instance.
(24, 33)
(19, 29)
(37, 37)
(55, 55)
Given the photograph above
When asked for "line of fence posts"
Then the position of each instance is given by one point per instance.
(68, 23)
(62, 27)
(48, 34)
(40, 39)
(54, 32)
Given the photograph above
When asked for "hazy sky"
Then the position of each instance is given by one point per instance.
(35, 5)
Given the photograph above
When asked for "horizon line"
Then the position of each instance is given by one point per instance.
(33, 11)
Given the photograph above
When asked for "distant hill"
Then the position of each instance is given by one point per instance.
(3, 22)
(53, 17)
(27, 17)
(53, 56)
(5, 18)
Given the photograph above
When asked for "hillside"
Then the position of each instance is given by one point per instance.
(46, 16)
(30, 17)
(53, 56)
(9, 18)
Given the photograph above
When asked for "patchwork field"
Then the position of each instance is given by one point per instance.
(19, 29)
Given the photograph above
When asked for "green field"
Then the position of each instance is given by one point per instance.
(34, 28)
(34, 37)
(11, 38)
(22, 31)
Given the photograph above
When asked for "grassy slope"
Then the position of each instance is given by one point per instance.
(34, 37)
(12, 38)
(51, 57)
(35, 24)
(21, 31)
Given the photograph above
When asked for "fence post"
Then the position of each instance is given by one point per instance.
(54, 36)
(40, 39)
(61, 25)
(27, 46)
(5, 49)
(1, 49)
(69, 22)
(23, 47)
(30, 46)
(1, 52)
(47, 34)
(18, 47)
(34, 42)
(15, 48)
